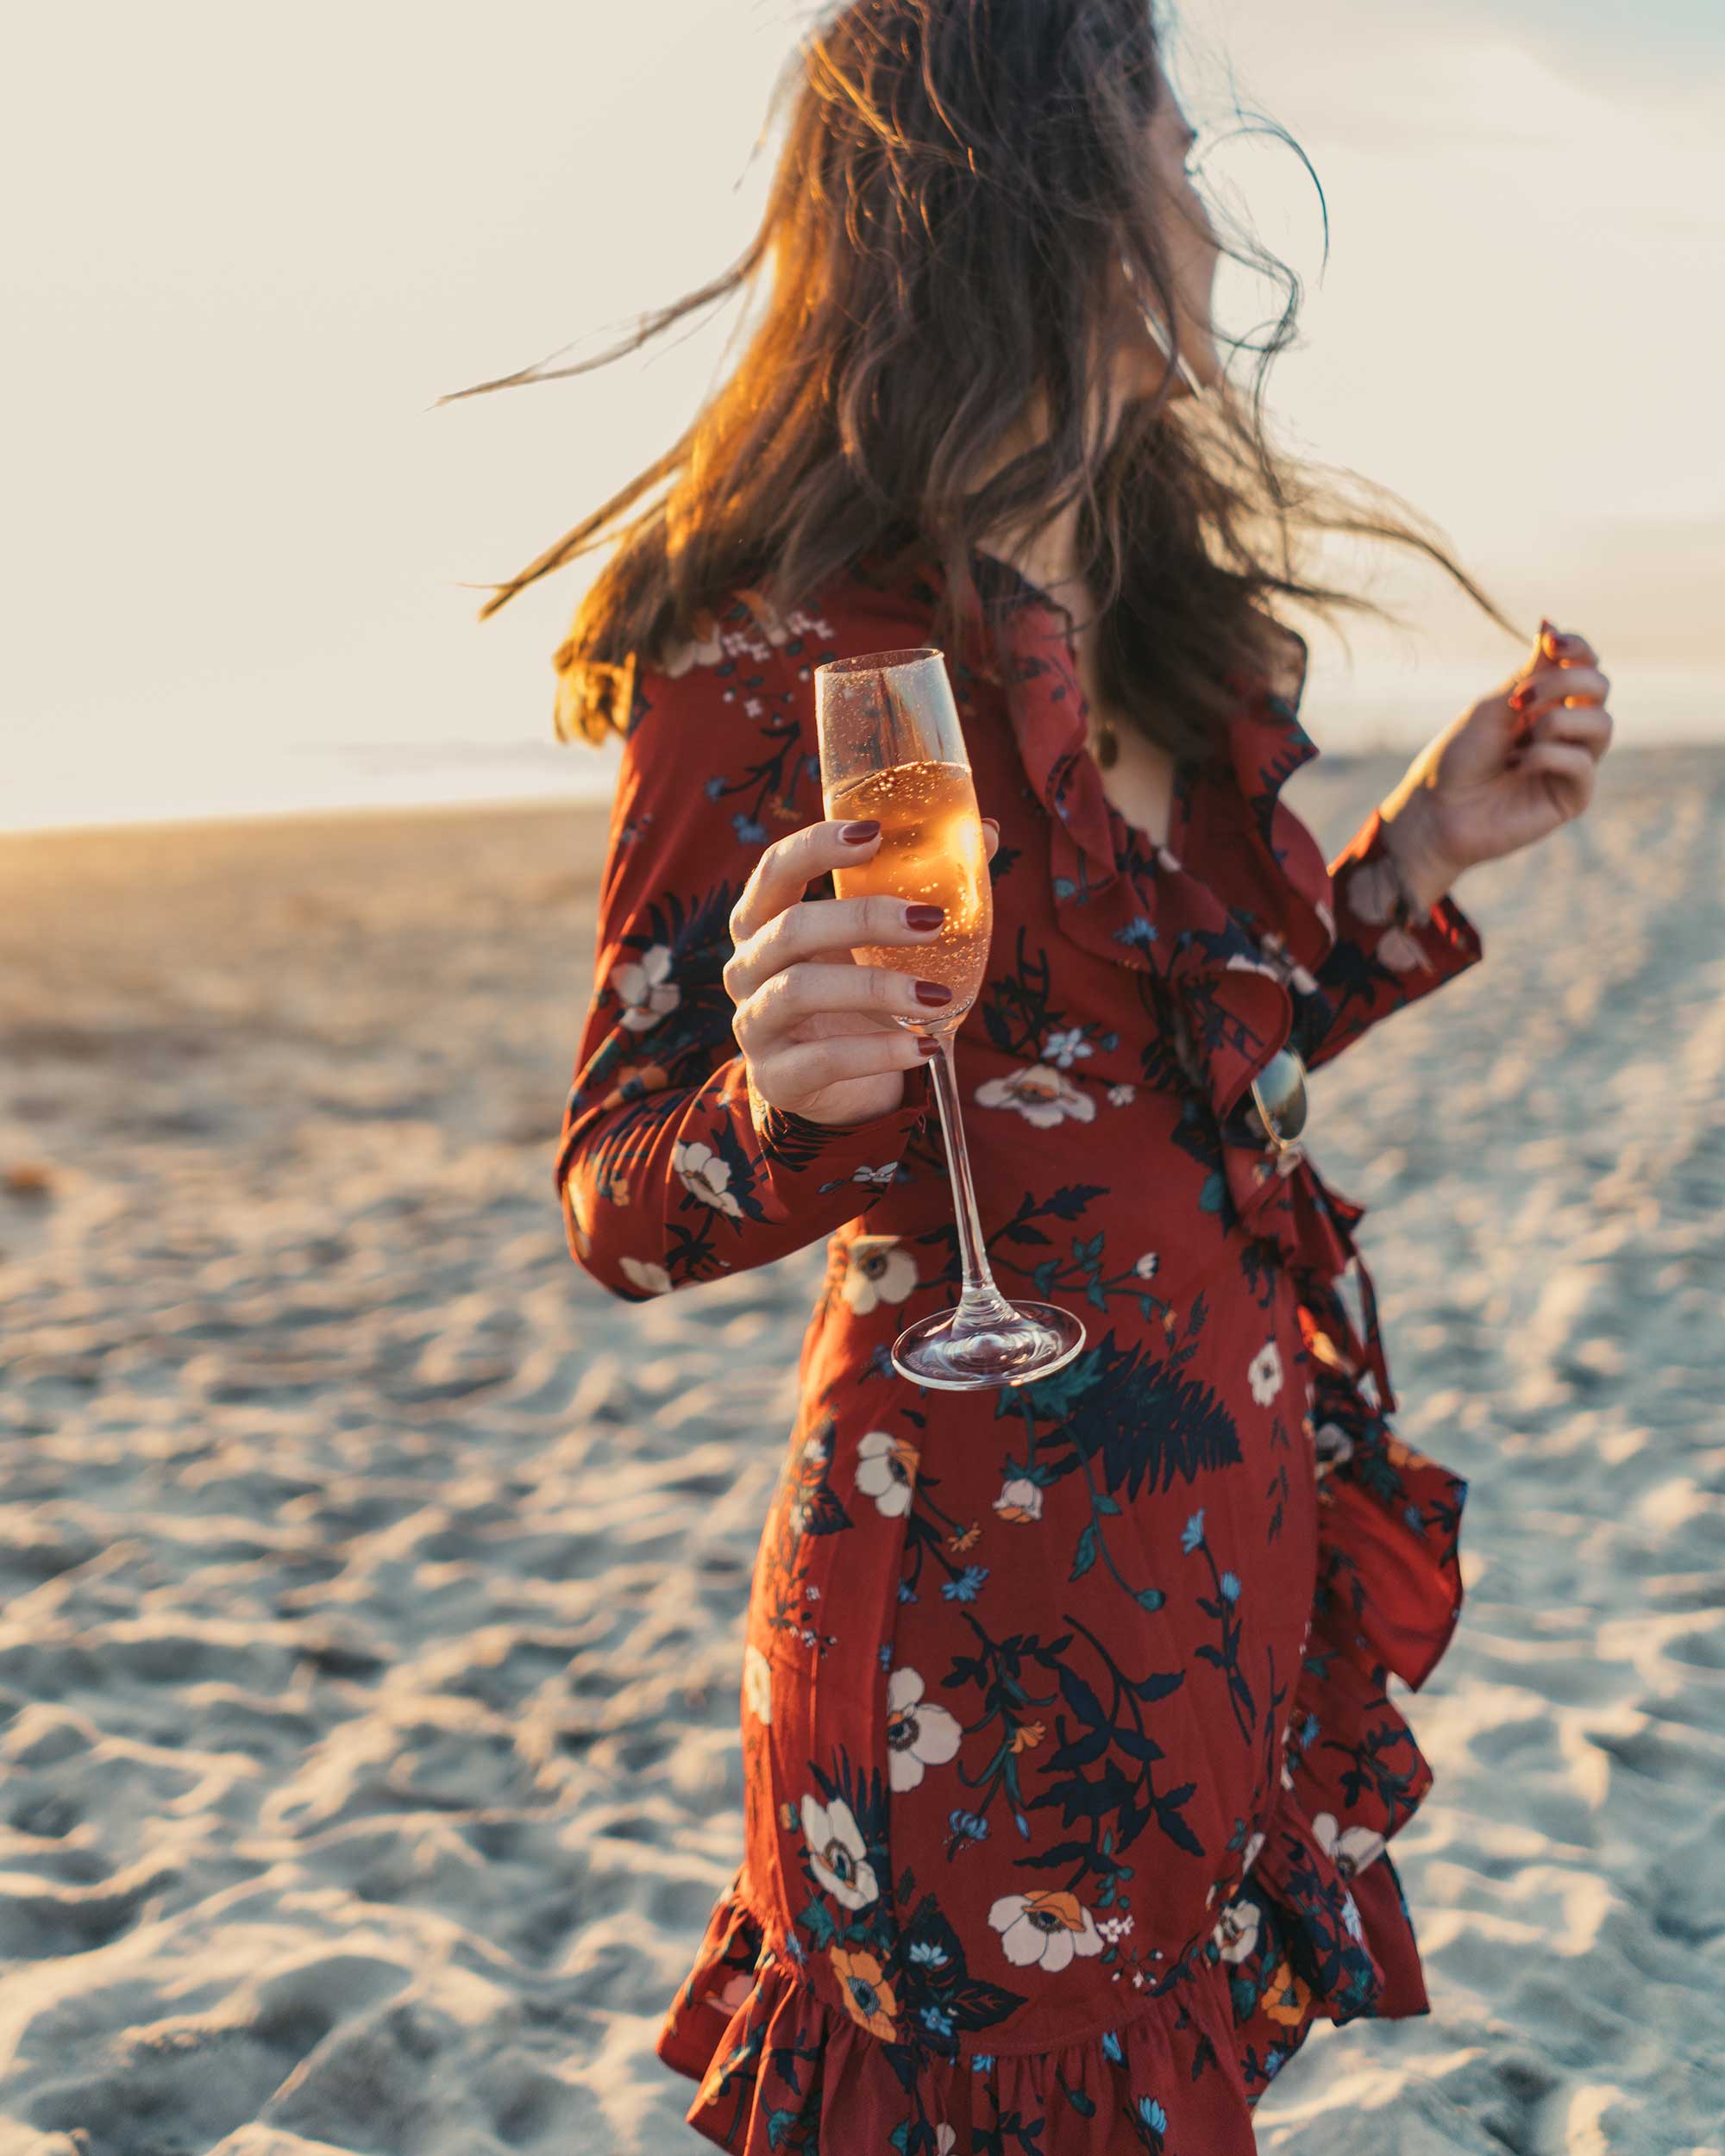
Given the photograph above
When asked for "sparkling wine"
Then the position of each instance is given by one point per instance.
(931, 852)
(892, 747)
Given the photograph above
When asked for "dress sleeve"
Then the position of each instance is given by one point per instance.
(1378, 965)
(670, 1168)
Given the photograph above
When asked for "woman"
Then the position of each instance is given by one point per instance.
(1070, 1762)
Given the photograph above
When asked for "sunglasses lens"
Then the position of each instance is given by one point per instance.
(1279, 1091)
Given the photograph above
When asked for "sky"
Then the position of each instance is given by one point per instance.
(244, 549)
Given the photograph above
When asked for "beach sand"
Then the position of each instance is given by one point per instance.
(374, 1584)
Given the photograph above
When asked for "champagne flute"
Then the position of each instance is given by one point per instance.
(891, 747)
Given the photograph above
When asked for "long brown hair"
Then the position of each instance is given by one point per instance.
(956, 178)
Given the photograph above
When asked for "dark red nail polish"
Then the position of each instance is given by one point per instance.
(1522, 697)
(933, 992)
(925, 916)
(927, 1045)
(860, 833)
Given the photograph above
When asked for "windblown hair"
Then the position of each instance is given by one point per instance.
(956, 180)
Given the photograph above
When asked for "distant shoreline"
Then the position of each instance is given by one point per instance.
(346, 813)
(588, 805)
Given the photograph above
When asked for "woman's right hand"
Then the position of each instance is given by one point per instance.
(818, 1033)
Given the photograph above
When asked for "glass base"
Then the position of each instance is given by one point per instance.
(1035, 1340)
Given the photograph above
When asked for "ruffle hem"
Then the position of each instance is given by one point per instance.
(1319, 1928)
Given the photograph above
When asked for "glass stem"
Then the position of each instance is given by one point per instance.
(981, 1305)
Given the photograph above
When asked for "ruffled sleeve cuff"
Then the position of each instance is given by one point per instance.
(1385, 956)
(803, 1158)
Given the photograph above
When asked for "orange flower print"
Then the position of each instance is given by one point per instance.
(1027, 1736)
(1287, 1997)
(634, 1083)
(965, 1537)
(867, 1995)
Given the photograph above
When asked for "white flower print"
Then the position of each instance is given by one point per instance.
(1254, 1843)
(879, 1176)
(1331, 1444)
(1040, 1094)
(704, 1176)
(837, 1853)
(646, 988)
(1146, 1266)
(757, 1683)
(1351, 1917)
(1274, 946)
(1349, 1848)
(1064, 1048)
(816, 1452)
(1238, 962)
(1122, 1096)
(887, 1472)
(677, 662)
(919, 1734)
(875, 1270)
(652, 1279)
(1263, 1373)
(945, 2139)
(1046, 1928)
(1019, 1499)
(1399, 951)
(1371, 888)
(1236, 1931)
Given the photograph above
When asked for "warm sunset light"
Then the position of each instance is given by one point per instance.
(221, 412)
(890, 1325)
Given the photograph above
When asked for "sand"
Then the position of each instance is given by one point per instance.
(374, 1584)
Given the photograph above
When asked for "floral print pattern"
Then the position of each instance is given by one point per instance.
(1069, 1763)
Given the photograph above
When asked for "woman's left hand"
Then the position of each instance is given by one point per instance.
(1507, 772)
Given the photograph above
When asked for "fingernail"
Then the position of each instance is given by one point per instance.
(933, 992)
(928, 1045)
(860, 833)
(1522, 697)
(925, 916)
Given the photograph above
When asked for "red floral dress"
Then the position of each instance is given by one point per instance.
(1069, 1761)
